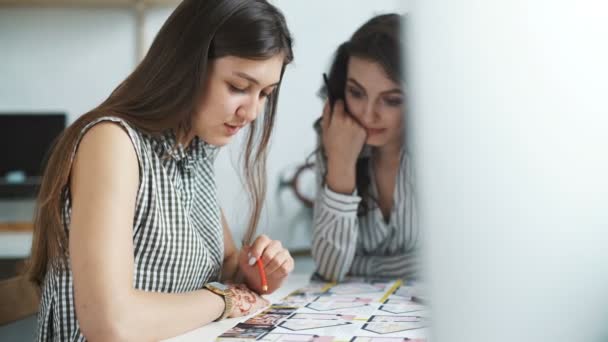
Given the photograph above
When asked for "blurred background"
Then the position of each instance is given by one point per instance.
(507, 123)
(60, 58)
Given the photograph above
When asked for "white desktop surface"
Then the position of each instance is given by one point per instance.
(15, 245)
(210, 331)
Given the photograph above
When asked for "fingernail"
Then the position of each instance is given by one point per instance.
(251, 261)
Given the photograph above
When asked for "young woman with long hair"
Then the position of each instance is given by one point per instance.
(129, 240)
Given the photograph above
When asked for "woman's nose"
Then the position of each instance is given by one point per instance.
(249, 111)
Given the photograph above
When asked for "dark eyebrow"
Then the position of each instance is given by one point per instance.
(350, 79)
(387, 92)
(393, 91)
(251, 78)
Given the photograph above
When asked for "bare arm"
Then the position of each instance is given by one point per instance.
(104, 183)
(231, 253)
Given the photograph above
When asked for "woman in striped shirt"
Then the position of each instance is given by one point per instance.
(364, 214)
(129, 237)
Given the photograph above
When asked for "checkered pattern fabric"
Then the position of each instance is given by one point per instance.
(177, 232)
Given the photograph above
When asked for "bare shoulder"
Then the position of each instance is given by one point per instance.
(106, 152)
(106, 136)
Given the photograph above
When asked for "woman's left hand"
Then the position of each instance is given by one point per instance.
(277, 262)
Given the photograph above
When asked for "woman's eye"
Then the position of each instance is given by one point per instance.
(264, 95)
(394, 102)
(355, 93)
(236, 89)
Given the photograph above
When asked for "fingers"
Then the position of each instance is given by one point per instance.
(258, 247)
(341, 117)
(276, 259)
(326, 117)
(338, 110)
(281, 264)
(286, 267)
(270, 253)
(330, 113)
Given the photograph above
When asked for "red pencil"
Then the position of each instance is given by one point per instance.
(262, 275)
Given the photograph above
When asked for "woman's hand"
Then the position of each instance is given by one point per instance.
(245, 301)
(277, 262)
(343, 139)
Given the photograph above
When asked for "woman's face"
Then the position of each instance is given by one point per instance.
(375, 100)
(235, 93)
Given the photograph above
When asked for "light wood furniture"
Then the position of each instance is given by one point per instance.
(91, 3)
(16, 227)
(19, 298)
(16, 241)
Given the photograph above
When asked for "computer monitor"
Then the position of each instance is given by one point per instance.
(508, 128)
(25, 139)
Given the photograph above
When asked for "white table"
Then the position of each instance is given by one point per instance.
(210, 331)
(15, 245)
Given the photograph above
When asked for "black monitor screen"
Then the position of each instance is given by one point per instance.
(25, 140)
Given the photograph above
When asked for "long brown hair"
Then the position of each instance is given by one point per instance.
(161, 94)
(378, 40)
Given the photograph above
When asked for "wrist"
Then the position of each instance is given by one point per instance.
(220, 303)
(341, 166)
(225, 296)
(341, 180)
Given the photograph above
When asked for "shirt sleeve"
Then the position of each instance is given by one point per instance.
(405, 264)
(393, 266)
(335, 229)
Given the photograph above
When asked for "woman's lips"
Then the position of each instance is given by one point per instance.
(232, 129)
(375, 131)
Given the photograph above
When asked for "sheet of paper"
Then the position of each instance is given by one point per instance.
(358, 310)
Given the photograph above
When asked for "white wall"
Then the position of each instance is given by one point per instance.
(62, 59)
(68, 59)
(58, 60)
(508, 124)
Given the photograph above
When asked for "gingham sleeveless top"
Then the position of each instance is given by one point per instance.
(177, 232)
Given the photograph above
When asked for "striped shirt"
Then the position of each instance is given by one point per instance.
(347, 244)
(177, 232)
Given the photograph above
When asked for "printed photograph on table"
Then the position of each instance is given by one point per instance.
(272, 337)
(386, 339)
(245, 331)
(266, 319)
(281, 310)
(358, 310)
(322, 316)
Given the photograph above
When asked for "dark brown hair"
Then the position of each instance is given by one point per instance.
(378, 40)
(161, 94)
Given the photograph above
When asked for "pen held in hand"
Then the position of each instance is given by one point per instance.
(262, 275)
